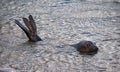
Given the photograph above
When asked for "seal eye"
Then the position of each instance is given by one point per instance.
(87, 45)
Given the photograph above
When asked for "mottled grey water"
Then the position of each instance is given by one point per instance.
(60, 23)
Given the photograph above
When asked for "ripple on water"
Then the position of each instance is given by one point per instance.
(60, 24)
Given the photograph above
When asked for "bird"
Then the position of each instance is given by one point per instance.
(31, 30)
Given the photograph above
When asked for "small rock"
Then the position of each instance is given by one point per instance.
(86, 47)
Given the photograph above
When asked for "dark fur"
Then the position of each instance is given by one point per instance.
(31, 30)
(86, 47)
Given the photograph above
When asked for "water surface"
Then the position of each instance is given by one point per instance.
(60, 23)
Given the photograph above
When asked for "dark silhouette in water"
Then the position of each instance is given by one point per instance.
(86, 47)
(31, 30)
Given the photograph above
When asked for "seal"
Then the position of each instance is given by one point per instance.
(86, 47)
(31, 30)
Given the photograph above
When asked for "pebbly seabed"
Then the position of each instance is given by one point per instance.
(60, 23)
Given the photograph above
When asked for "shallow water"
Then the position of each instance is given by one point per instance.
(60, 23)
